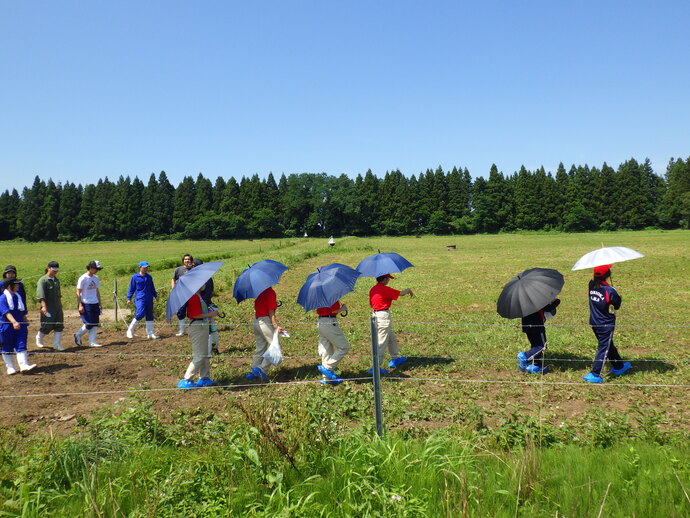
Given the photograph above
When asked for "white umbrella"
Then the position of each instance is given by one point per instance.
(607, 255)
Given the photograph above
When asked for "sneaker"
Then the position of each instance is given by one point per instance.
(95, 344)
(328, 373)
(396, 362)
(153, 336)
(251, 376)
(77, 339)
(522, 361)
(593, 378)
(206, 382)
(535, 369)
(381, 371)
(186, 384)
(27, 368)
(259, 374)
(336, 381)
(626, 367)
(130, 334)
(11, 370)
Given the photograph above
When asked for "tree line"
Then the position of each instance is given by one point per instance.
(435, 202)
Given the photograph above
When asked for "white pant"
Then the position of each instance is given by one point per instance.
(333, 345)
(201, 363)
(263, 334)
(386, 335)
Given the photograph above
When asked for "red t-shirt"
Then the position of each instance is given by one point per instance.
(265, 302)
(194, 306)
(329, 312)
(381, 296)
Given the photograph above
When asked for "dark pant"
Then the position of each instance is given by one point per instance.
(91, 315)
(605, 350)
(537, 339)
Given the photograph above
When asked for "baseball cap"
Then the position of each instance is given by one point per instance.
(53, 265)
(601, 271)
(144, 264)
(94, 264)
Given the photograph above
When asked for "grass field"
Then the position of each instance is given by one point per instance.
(460, 392)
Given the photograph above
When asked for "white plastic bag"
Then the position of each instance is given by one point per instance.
(273, 354)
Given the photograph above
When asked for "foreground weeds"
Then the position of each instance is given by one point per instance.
(295, 460)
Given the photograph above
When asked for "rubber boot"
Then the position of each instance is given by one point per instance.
(149, 330)
(23, 361)
(81, 332)
(214, 342)
(57, 341)
(9, 363)
(92, 338)
(180, 330)
(39, 339)
(130, 329)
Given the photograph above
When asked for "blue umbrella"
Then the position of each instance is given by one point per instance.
(188, 285)
(326, 285)
(255, 279)
(381, 264)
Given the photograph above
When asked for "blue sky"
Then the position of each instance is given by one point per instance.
(224, 88)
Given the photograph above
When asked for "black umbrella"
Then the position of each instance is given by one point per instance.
(528, 292)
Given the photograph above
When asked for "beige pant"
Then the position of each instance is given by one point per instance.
(263, 334)
(386, 335)
(201, 363)
(333, 345)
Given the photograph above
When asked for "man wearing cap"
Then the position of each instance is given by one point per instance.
(381, 297)
(89, 303)
(187, 264)
(13, 326)
(603, 297)
(49, 296)
(142, 285)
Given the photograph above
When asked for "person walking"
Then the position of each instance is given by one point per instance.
(49, 296)
(187, 264)
(13, 327)
(265, 327)
(207, 295)
(144, 292)
(533, 327)
(11, 273)
(89, 303)
(199, 315)
(381, 297)
(333, 345)
(603, 297)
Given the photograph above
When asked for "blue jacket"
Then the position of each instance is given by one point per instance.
(5, 308)
(599, 301)
(143, 286)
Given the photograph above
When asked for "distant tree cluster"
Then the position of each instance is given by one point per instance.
(435, 202)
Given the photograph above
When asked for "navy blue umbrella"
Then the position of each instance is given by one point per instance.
(381, 264)
(255, 279)
(528, 292)
(188, 284)
(326, 285)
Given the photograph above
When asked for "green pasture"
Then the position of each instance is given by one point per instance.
(466, 433)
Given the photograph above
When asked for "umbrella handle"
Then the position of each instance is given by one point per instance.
(279, 303)
(344, 313)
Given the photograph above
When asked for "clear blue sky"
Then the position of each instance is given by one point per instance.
(224, 88)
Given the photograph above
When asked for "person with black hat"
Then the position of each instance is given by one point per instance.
(13, 327)
(602, 299)
(89, 303)
(11, 273)
(381, 296)
(49, 296)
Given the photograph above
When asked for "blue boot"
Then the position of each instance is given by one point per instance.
(259, 374)
(327, 372)
(593, 378)
(626, 367)
(535, 369)
(186, 384)
(396, 362)
(206, 382)
(522, 361)
(381, 371)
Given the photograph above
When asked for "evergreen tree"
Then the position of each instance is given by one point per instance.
(50, 212)
(29, 223)
(9, 207)
(104, 225)
(68, 227)
(674, 206)
(184, 211)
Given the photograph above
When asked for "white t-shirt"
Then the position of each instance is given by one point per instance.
(88, 284)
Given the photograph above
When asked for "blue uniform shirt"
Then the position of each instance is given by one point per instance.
(599, 301)
(143, 286)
